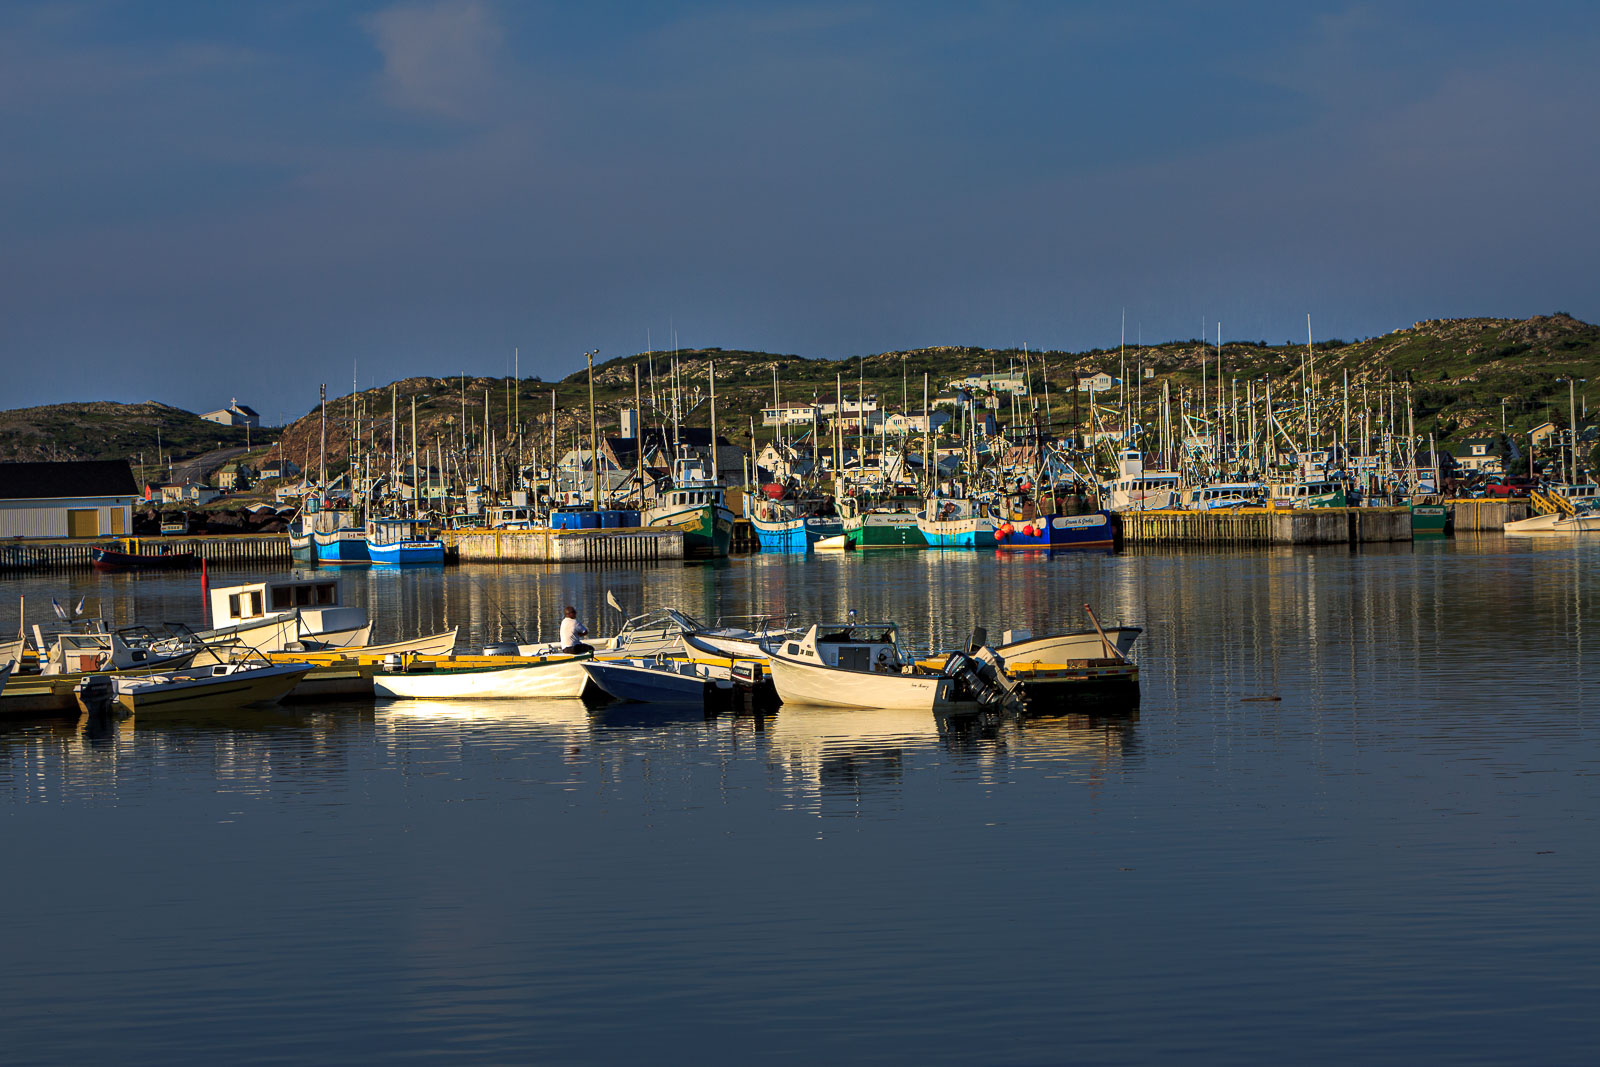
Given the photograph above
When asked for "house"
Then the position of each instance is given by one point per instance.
(192, 493)
(1544, 435)
(233, 476)
(75, 499)
(235, 414)
(992, 383)
(791, 415)
(900, 424)
(1098, 383)
(1478, 454)
(279, 468)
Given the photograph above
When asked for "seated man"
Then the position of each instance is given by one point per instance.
(572, 633)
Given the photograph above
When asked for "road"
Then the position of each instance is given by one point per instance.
(201, 467)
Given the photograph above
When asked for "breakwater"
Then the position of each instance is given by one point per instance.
(1245, 527)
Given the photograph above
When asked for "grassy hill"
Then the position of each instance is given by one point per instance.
(1459, 371)
(106, 430)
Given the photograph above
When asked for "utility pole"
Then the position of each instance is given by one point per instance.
(594, 441)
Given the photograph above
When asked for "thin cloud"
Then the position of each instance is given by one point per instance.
(438, 59)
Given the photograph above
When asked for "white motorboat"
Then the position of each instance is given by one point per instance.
(483, 678)
(1584, 520)
(860, 665)
(665, 630)
(1020, 646)
(218, 687)
(273, 614)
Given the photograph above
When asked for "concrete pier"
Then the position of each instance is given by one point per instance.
(629, 545)
(1244, 527)
(1487, 514)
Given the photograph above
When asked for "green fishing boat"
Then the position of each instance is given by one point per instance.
(1429, 520)
(884, 529)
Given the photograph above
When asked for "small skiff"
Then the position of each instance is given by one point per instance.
(219, 687)
(483, 678)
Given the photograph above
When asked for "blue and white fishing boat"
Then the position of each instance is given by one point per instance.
(300, 543)
(779, 529)
(956, 522)
(344, 544)
(402, 542)
(1058, 531)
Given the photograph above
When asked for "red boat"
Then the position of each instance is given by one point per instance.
(109, 559)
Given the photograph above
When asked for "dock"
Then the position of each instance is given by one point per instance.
(1254, 527)
(215, 549)
(616, 545)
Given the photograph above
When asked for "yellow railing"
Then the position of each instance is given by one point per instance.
(1550, 503)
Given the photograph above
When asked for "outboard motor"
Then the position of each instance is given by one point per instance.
(97, 695)
(981, 678)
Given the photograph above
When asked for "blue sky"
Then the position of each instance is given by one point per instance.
(200, 201)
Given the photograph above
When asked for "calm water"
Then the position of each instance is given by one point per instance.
(1393, 862)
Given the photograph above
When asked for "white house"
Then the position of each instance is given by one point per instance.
(992, 383)
(78, 499)
(900, 424)
(235, 414)
(791, 415)
(1477, 454)
(1097, 383)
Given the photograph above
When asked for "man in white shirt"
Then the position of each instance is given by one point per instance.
(572, 633)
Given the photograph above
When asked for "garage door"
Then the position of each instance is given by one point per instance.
(83, 522)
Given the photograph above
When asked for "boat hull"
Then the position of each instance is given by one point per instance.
(805, 683)
(109, 559)
(975, 532)
(884, 529)
(1059, 531)
(1065, 648)
(406, 553)
(341, 546)
(562, 680)
(795, 535)
(647, 684)
(244, 689)
(1429, 519)
(707, 528)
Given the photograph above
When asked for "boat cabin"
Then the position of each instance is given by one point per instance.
(1582, 496)
(396, 531)
(509, 518)
(1229, 495)
(949, 509)
(1322, 494)
(851, 646)
(316, 599)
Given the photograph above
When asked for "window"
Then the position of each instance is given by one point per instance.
(325, 593)
(233, 605)
(302, 595)
(280, 598)
(255, 603)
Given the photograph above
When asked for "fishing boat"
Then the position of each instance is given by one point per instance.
(402, 542)
(780, 529)
(695, 505)
(273, 614)
(1058, 531)
(301, 546)
(344, 544)
(217, 687)
(896, 528)
(1220, 495)
(1429, 520)
(482, 677)
(1137, 489)
(861, 665)
(951, 522)
(1318, 494)
(111, 559)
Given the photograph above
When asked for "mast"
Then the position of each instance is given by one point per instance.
(322, 408)
(716, 468)
(594, 441)
(638, 433)
(413, 455)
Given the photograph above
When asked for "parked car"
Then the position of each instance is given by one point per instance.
(1512, 486)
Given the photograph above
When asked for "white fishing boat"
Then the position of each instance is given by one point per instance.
(218, 687)
(1212, 497)
(860, 665)
(483, 678)
(277, 614)
(1137, 489)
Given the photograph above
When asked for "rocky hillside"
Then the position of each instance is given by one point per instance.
(106, 430)
(1459, 371)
